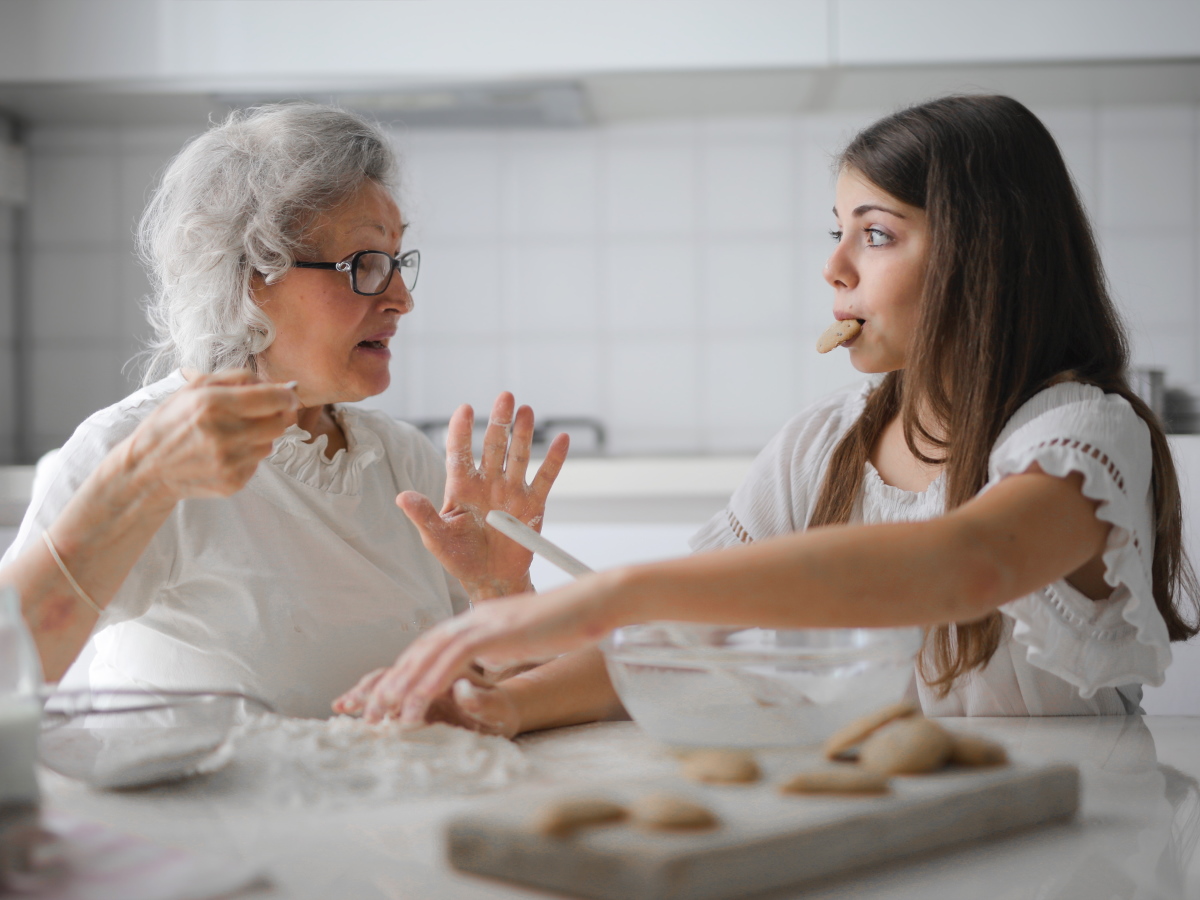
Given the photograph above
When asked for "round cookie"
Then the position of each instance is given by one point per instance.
(564, 817)
(858, 730)
(838, 333)
(844, 780)
(973, 750)
(721, 767)
(668, 812)
(907, 747)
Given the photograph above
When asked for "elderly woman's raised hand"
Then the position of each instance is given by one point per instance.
(486, 562)
(209, 437)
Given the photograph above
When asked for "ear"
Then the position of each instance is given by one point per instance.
(262, 287)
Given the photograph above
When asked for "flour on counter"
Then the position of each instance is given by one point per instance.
(313, 761)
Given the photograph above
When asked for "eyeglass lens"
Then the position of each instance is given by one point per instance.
(373, 271)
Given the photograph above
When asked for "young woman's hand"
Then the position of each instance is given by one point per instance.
(498, 633)
(207, 439)
(486, 562)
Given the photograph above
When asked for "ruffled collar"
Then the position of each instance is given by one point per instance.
(936, 490)
(300, 457)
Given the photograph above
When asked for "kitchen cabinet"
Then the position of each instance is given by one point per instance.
(917, 32)
(239, 45)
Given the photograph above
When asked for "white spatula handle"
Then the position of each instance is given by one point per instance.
(512, 527)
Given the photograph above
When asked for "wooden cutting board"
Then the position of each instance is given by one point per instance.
(765, 840)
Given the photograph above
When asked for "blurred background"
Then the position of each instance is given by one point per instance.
(622, 205)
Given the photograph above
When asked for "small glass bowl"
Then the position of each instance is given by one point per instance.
(718, 686)
(118, 739)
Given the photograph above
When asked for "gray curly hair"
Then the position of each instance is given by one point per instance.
(237, 200)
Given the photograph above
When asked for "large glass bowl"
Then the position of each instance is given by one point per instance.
(120, 739)
(718, 686)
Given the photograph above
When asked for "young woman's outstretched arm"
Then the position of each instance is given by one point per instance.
(1027, 531)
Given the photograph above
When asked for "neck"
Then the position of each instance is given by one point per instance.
(319, 420)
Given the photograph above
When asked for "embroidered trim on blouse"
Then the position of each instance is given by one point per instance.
(738, 530)
(1100, 456)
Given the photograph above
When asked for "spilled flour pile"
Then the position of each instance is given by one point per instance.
(314, 761)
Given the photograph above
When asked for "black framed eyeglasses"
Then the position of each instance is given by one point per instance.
(371, 270)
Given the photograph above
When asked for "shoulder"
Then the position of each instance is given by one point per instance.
(816, 430)
(58, 478)
(1073, 402)
(1074, 427)
(105, 428)
(1081, 418)
(778, 492)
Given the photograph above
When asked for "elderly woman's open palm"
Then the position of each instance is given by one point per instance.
(487, 563)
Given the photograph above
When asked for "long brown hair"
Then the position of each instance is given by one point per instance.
(1014, 297)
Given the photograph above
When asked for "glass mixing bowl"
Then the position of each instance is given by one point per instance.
(718, 686)
(126, 738)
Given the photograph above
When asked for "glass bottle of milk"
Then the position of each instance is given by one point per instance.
(20, 705)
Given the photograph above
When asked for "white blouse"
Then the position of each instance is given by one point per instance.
(1061, 653)
(289, 590)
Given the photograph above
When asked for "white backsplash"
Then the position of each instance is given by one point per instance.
(664, 277)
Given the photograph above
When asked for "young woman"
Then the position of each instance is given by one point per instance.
(995, 480)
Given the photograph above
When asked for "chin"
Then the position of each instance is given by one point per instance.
(375, 386)
(873, 366)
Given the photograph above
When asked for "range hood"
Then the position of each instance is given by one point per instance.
(549, 104)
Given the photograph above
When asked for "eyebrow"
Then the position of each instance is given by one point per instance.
(867, 207)
(378, 227)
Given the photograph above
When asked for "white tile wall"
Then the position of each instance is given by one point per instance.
(8, 442)
(651, 286)
(662, 276)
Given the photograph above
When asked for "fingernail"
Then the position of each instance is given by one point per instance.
(291, 385)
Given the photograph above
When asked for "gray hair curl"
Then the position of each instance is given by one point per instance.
(237, 200)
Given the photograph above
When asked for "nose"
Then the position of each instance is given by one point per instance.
(397, 296)
(839, 269)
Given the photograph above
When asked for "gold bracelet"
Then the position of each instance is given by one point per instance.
(67, 575)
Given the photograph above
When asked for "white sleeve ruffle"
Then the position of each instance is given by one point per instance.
(1122, 639)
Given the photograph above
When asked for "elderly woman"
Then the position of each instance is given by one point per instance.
(232, 525)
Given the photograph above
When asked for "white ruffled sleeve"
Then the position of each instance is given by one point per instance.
(1123, 639)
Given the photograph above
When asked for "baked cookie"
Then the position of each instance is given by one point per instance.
(668, 812)
(721, 767)
(973, 750)
(563, 818)
(858, 730)
(910, 746)
(838, 333)
(843, 780)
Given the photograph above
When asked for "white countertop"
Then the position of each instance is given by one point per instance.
(1135, 835)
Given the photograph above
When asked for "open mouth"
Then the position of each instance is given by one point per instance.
(373, 345)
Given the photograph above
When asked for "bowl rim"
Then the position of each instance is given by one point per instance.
(675, 654)
(150, 701)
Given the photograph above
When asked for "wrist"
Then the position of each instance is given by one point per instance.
(624, 598)
(493, 588)
(125, 484)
